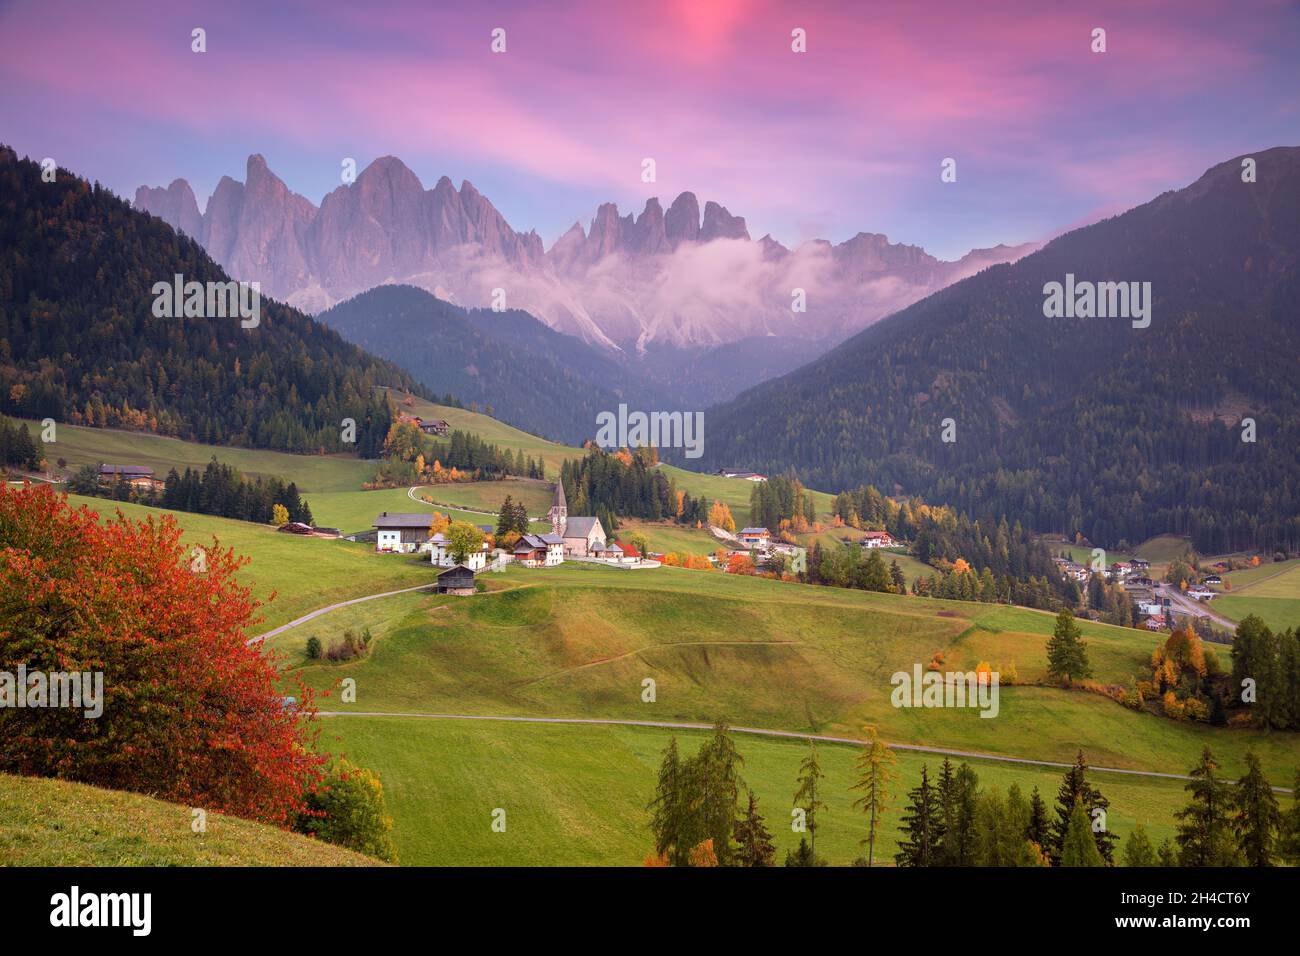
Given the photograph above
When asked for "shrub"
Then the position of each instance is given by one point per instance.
(313, 648)
(346, 648)
(191, 714)
(347, 808)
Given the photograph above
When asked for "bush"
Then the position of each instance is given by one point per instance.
(347, 648)
(347, 808)
(313, 648)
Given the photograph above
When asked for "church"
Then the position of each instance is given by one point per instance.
(582, 537)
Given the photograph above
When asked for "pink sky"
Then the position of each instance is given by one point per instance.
(843, 138)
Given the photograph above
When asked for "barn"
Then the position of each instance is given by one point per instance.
(457, 580)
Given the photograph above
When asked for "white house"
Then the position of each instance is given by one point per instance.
(402, 532)
(540, 550)
(754, 537)
(440, 554)
(877, 539)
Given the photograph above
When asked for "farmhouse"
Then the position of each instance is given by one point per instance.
(746, 475)
(1141, 564)
(440, 554)
(456, 580)
(878, 539)
(1200, 593)
(137, 476)
(402, 532)
(1213, 579)
(540, 550)
(436, 427)
(754, 537)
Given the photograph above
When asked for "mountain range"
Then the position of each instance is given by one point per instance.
(977, 397)
(680, 279)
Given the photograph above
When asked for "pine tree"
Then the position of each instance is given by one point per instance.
(922, 826)
(1257, 819)
(1205, 825)
(1076, 789)
(1067, 654)
(1166, 855)
(1078, 847)
(1138, 850)
(1036, 829)
(805, 795)
(754, 843)
(670, 808)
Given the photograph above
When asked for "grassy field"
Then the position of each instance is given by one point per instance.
(666, 536)
(576, 795)
(1271, 591)
(352, 511)
(91, 446)
(56, 823)
(302, 573)
(579, 640)
(488, 495)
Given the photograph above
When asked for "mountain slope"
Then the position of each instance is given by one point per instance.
(681, 279)
(1075, 424)
(521, 371)
(79, 341)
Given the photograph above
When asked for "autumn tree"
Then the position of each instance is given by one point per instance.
(875, 776)
(279, 515)
(190, 712)
(720, 517)
(805, 794)
(347, 808)
(463, 539)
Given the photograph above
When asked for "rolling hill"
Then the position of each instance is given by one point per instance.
(1072, 425)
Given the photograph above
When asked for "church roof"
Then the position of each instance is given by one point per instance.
(559, 496)
(579, 527)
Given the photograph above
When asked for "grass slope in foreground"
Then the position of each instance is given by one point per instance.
(56, 823)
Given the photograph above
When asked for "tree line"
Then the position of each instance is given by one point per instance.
(219, 489)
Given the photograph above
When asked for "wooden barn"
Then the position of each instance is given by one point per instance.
(457, 580)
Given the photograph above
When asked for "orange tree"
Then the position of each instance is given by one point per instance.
(190, 712)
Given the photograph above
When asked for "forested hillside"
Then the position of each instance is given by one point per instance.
(1077, 424)
(508, 363)
(79, 342)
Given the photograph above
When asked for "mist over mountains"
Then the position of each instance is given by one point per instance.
(683, 278)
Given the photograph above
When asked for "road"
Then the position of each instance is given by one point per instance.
(761, 732)
(1190, 606)
(332, 607)
(410, 493)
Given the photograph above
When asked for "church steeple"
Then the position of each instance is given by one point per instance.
(559, 513)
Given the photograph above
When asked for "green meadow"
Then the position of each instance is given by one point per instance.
(292, 574)
(92, 446)
(578, 641)
(577, 794)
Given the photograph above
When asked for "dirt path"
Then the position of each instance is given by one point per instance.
(331, 607)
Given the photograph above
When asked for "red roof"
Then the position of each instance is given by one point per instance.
(628, 550)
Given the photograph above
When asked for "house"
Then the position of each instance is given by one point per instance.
(611, 551)
(440, 554)
(402, 532)
(1150, 608)
(737, 473)
(1155, 622)
(1212, 579)
(1200, 593)
(540, 550)
(436, 427)
(1141, 564)
(456, 580)
(754, 537)
(138, 477)
(878, 539)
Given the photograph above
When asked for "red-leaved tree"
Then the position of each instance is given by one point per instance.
(190, 712)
